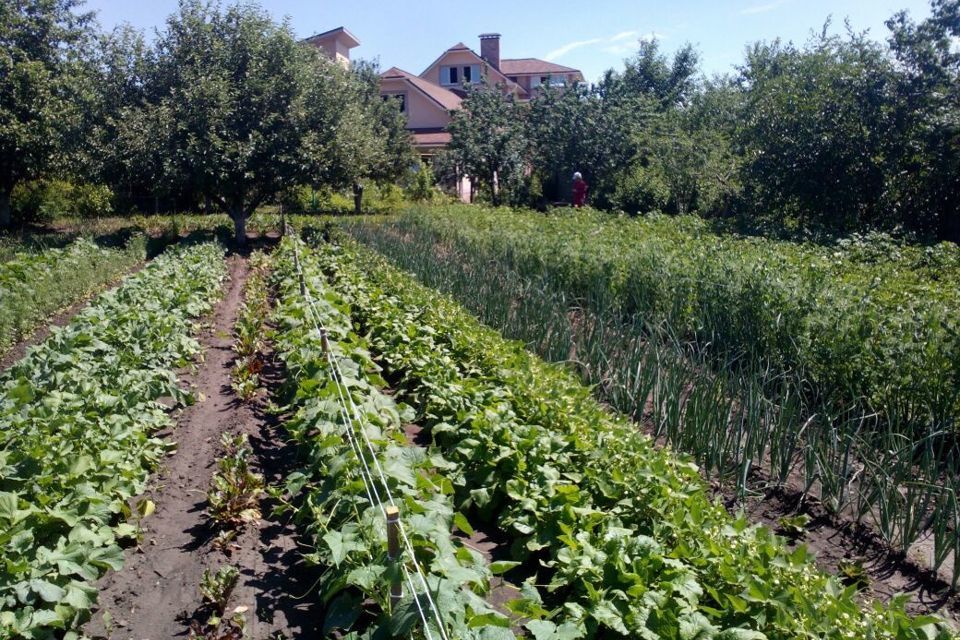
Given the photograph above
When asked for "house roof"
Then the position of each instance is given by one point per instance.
(431, 139)
(351, 40)
(445, 98)
(523, 66)
(499, 75)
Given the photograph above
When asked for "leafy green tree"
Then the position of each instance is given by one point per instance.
(43, 46)
(576, 129)
(370, 140)
(131, 127)
(813, 130)
(487, 140)
(228, 82)
(671, 83)
(926, 155)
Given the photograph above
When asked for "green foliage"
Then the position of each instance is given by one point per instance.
(703, 359)
(820, 111)
(227, 105)
(487, 141)
(333, 503)
(42, 82)
(627, 540)
(250, 331)
(235, 490)
(46, 200)
(80, 414)
(33, 286)
(216, 587)
(422, 186)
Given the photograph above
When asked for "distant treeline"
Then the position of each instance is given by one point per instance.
(840, 134)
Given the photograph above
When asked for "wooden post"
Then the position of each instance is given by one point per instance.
(325, 342)
(303, 283)
(393, 552)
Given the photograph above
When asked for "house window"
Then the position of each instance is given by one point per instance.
(399, 97)
(466, 74)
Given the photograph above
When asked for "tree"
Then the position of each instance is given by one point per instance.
(487, 139)
(371, 141)
(42, 49)
(131, 127)
(650, 73)
(813, 130)
(926, 141)
(230, 82)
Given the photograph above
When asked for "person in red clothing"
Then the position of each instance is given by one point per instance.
(579, 190)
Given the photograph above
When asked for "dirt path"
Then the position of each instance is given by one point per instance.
(156, 594)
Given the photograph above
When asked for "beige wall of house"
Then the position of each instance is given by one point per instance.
(531, 82)
(453, 58)
(335, 47)
(421, 111)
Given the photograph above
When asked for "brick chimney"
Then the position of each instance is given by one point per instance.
(490, 49)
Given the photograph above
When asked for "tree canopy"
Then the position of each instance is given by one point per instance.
(43, 44)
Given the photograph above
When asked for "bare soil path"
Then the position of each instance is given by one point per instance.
(156, 594)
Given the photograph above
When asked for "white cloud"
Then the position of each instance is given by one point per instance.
(624, 35)
(762, 8)
(570, 46)
(619, 44)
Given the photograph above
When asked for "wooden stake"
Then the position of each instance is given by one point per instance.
(393, 552)
(325, 343)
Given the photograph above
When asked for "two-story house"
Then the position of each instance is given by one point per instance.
(427, 99)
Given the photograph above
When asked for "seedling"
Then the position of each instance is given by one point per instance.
(235, 490)
(224, 541)
(794, 526)
(852, 572)
(217, 587)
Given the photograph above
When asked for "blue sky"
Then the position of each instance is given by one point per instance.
(591, 35)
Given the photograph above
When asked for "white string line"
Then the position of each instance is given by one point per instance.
(338, 380)
(344, 413)
(359, 451)
(359, 419)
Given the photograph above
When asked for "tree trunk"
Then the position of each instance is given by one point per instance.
(240, 227)
(5, 219)
(357, 198)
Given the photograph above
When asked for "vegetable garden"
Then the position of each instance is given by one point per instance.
(832, 369)
(397, 400)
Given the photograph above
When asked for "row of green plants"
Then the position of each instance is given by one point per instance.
(35, 285)
(15, 245)
(866, 321)
(340, 509)
(622, 533)
(748, 421)
(79, 419)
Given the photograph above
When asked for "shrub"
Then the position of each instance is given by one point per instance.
(43, 200)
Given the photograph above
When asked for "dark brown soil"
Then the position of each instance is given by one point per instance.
(156, 594)
(834, 541)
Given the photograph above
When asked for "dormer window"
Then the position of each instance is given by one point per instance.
(400, 98)
(462, 74)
